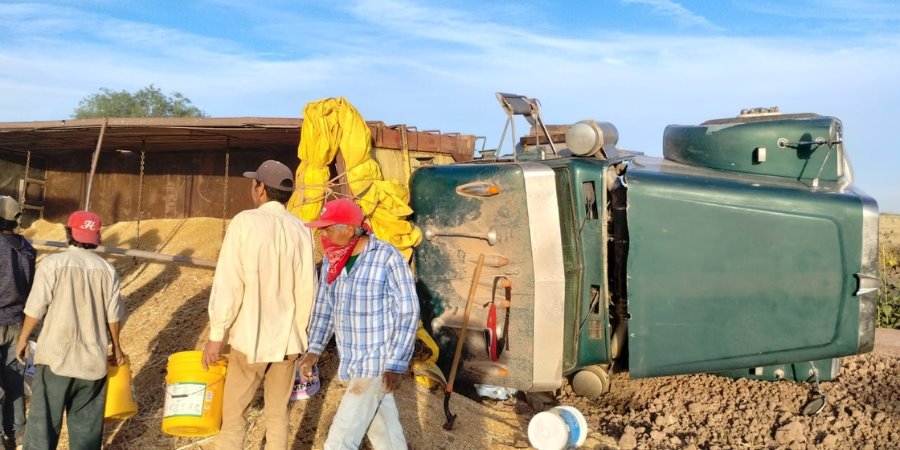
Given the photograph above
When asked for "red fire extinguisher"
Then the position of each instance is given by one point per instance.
(490, 333)
(493, 346)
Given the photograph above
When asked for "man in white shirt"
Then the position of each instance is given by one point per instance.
(261, 299)
(76, 294)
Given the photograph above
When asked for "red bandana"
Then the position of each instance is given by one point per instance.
(337, 256)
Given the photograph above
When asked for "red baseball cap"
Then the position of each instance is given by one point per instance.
(85, 227)
(341, 211)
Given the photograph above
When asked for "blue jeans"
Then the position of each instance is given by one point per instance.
(366, 410)
(12, 381)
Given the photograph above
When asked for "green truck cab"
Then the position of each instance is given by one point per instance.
(744, 251)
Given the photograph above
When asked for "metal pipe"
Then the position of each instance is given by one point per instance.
(503, 136)
(512, 137)
(546, 133)
(87, 195)
(404, 148)
(136, 253)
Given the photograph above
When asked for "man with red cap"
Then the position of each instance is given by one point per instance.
(367, 300)
(261, 298)
(77, 293)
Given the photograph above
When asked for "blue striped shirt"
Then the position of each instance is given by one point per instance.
(373, 311)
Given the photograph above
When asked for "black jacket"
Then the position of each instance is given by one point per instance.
(17, 258)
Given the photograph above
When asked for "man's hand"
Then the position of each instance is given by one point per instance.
(211, 353)
(22, 351)
(307, 361)
(117, 358)
(22, 348)
(392, 380)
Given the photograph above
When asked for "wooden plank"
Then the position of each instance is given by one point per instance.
(160, 257)
(184, 162)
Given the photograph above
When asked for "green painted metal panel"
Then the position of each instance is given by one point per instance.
(730, 273)
(592, 349)
(584, 246)
(827, 369)
(445, 264)
(735, 146)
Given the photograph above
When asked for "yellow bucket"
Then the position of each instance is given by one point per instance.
(119, 395)
(193, 406)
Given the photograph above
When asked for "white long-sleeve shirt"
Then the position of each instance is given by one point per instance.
(264, 285)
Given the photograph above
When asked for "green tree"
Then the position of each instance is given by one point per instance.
(147, 102)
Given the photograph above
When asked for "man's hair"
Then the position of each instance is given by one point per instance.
(72, 241)
(357, 231)
(8, 225)
(276, 194)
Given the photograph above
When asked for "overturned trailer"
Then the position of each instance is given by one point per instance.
(746, 250)
(129, 169)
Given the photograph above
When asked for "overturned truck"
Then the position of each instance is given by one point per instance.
(744, 251)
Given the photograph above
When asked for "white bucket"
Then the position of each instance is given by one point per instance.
(559, 428)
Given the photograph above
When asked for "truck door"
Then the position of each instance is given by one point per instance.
(732, 272)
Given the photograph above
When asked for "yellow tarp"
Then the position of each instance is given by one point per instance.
(331, 125)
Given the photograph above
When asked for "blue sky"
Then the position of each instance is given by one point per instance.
(640, 64)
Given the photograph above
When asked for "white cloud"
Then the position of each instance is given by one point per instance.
(683, 16)
(437, 68)
(449, 26)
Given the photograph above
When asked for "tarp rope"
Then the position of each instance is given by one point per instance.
(331, 125)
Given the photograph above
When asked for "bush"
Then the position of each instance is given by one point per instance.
(888, 315)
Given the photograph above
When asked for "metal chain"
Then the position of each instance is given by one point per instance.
(225, 202)
(24, 186)
(25, 181)
(140, 201)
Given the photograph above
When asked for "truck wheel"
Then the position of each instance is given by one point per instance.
(591, 382)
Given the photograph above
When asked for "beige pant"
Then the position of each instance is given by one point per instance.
(241, 381)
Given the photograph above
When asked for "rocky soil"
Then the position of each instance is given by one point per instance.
(166, 304)
(711, 412)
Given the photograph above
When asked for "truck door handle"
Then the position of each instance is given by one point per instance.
(490, 236)
(866, 284)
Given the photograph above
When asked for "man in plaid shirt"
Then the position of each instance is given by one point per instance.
(367, 299)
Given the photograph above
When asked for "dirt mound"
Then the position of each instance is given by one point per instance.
(706, 411)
